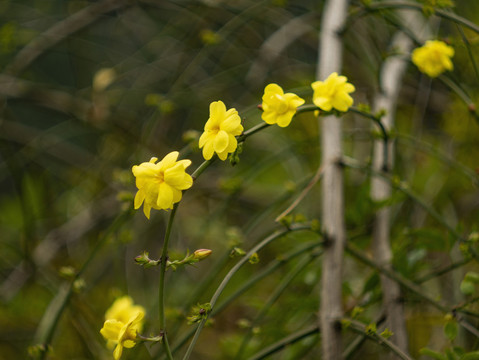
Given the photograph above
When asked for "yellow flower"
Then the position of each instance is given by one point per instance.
(160, 185)
(433, 58)
(122, 310)
(220, 131)
(278, 107)
(122, 334)
(333, 93)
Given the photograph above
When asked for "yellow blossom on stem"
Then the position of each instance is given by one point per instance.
(433, 58)
(220, 131)
(121, 334)
(160, 184)
(333, 93)
(122, 310)
(278, 107)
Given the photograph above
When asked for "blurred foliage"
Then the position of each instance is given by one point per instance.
(135, 81)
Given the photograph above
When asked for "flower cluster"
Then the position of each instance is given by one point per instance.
(433, 58)
(160, 184)
(123, 320)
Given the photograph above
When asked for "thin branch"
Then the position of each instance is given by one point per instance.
(60, 31)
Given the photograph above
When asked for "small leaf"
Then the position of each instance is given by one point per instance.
(387, 333)
(371, 329)
(472, 277)
(450, 330)
(433, 354)
(467, 287)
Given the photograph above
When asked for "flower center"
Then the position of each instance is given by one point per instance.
(160, 177)
(281, 104)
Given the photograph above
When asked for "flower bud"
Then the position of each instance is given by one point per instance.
(201, 254)
(145, 261)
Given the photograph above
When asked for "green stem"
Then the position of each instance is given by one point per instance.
(377, 6)
(272, 299)
(252, 131)
(161, 285)
(202, 168)
(277, 234)
(248, 284)
(462, 94)
(411, 286)
(291, 339)
(52, 315)
(469, 51)
(360, 328)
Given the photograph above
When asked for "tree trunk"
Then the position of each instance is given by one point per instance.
(331, 311)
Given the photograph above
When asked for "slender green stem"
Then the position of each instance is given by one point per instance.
(378, 6)
(352, 163)
(469, 51)
(248, 284)
(161, 285)
(277, 234)
(442, 271)
(411, 286)
(360, 328)
(290, 339)
(305, 261)
(204, 165)
(52, 316)
(462, 94)
(252, 131)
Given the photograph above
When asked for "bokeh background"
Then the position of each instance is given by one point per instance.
(90, 88)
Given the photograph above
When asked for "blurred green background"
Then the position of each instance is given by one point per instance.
(90, 88)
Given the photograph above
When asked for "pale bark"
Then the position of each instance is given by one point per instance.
(331, 311)
(391, 75)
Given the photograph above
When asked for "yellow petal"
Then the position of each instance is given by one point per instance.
(139, 198)
(342, 102)
(223, 155)
(231, 123)
(204, 139)
(269, 117)
(118, 351)
(274, 89)
(175, 176)
(208, 150)
(111, 329)
(284, 120)
(217, 110)
(147, 210)
(165, 196)
(145, 169)
(323, 103)
(232, 144)
(221, 141)
(129, 344)
(169, 160)
(177, 195)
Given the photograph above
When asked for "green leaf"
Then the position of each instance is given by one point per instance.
(450, 330)
(472, 277)
(467, 287)
(450, 354)
(471, 356)
(433, 354)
